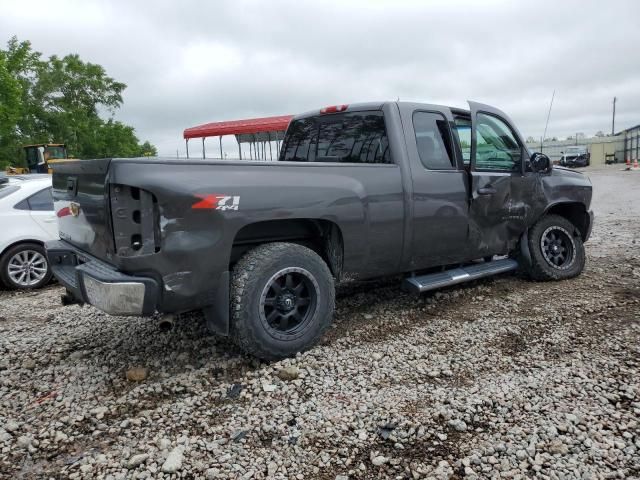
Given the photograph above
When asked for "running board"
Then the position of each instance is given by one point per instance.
(431, 281)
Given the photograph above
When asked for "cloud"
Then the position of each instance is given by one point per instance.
(192, 62)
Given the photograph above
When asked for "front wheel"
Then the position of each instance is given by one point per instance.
(282, 300)
(557, 251)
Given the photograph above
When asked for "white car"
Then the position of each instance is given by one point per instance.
(27, 220)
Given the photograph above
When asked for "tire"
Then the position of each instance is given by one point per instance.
(548, 263)
(31, 255)
(265, 283)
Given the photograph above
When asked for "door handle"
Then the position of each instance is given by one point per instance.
(489, 190)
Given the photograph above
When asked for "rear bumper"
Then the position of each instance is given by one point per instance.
(92, 281)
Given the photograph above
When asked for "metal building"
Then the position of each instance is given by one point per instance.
(631, 143)
(602, 150)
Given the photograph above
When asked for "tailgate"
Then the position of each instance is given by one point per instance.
(80, 193)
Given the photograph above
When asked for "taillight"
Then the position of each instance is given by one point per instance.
(334, 109)
(63, 212)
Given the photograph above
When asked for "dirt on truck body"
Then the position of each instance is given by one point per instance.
(360, 191)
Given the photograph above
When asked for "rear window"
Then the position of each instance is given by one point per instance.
(358, 137)
(41, 201)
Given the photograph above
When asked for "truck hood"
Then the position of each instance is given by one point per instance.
(569, 173)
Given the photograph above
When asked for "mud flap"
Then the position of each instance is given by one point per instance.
(526, 262)
(217, 315)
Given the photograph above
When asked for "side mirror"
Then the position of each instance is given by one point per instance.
(540, 163)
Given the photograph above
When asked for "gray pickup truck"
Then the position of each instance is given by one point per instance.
(439, 195)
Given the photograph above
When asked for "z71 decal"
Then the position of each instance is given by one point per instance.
(216, 201)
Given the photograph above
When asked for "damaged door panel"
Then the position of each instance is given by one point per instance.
(500, 190)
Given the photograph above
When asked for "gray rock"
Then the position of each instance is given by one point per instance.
(558, 448)
(164, 444)
(288, 373)
(137, 460)
(11, 426)
(173, 463)
(211, 473)
(29, 364)
(137, 374)
(458, 425)
(23, 441)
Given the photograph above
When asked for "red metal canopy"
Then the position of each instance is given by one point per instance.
(238, 127)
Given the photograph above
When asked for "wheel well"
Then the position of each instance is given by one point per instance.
(38, 242)
(575, 212)
(322, 236)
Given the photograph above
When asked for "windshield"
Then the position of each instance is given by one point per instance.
(575, 150)
(57, 152)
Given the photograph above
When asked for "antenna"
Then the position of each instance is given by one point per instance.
(544, 135)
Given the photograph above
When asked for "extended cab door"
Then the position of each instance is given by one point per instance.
(500, 192)
(439, 197)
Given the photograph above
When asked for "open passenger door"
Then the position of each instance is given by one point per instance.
(498, 210)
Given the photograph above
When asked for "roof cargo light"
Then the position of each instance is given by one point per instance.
(334, 109)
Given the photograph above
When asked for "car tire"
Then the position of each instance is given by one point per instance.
(282, 300)
(31, 256)
(556, 248)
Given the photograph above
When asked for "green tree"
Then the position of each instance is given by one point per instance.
(149, 150)
(10, 104)
(61, 100)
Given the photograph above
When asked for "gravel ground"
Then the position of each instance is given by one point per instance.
(503, 378)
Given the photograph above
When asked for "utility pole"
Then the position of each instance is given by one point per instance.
(544, 135)
(613, 120)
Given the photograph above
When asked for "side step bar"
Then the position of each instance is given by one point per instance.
(431, 281)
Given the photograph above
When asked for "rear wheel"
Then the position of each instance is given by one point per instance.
(557, 251)
(282, 300)
(25, 266)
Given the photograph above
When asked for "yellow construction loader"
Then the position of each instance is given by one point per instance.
(39, 157)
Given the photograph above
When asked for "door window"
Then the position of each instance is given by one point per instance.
(433, 141)
(463, 127)
(497, 147)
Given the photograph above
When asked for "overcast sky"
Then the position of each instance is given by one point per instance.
(188, 62)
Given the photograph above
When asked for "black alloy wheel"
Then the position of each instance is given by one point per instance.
(558, 247)
(288, 301)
